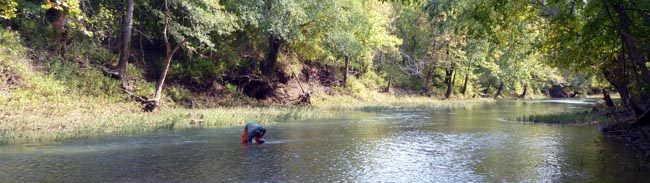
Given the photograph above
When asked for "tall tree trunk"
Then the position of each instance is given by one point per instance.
(345, 72)
(271, 58)
(390, 76)
(464, 90)
(499, 90)
(427, 80)
(608, 100)
(467, 71)
(523, 95)
(448, 79)
(453, 79)
(127, 26)
(621, 86)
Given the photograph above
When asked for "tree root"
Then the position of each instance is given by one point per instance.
(149, 105)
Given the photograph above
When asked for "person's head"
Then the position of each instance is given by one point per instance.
(258, 134)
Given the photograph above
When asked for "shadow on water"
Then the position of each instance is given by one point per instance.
(466, 144)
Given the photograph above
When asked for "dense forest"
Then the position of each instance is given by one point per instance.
(203, 52)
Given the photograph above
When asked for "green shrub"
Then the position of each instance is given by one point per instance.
(179, 94)
(199, 71)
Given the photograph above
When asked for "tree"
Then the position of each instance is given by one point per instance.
(58, 13)
(127, 26)
(603, 38)
(356, 31)
(280, 20)
(194, 20)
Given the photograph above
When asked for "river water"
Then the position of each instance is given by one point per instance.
(466, 144)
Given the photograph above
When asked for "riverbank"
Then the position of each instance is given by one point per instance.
(79, 117)
(637, 136)
(52, 98)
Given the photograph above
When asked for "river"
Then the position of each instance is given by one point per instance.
(466, 144)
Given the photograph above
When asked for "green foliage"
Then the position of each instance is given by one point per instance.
(8, 9)
(280, 18)
(76, 18)
(12, 62)
(601, 38)
(198, 19)
(178, 94)
(105, 22)
(199, 72)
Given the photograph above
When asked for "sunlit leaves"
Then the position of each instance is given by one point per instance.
(280, 18)
(200, 20)
(76, 18)
(8, 9)
(357, 29)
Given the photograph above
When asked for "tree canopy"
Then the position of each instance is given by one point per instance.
(459, 48)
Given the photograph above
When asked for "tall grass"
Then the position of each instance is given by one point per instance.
(69, 121)
(83, 117)
(375, 101)
(569, 118)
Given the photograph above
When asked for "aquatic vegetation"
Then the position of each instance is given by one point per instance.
(568, 118)
(380, 102)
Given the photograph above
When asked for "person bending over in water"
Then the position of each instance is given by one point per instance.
(253, 130)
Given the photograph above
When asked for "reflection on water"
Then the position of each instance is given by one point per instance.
(468, 144)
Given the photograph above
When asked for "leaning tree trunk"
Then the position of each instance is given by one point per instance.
(345, 72)
(448, 79)
(608, 100)
(621, 86)
(152, 104)
(499, 90)
(271, 58)
(487, 88)
(469, 68)
(523, 95)
(453, 80)
(629, 42)
(464, 90)
(126, 44)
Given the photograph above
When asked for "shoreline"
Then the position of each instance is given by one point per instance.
(58, 121)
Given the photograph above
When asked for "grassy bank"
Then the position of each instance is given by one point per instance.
(379, 101)
(45, 126)
(577, 118)
(85, 117)
(54, 121)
